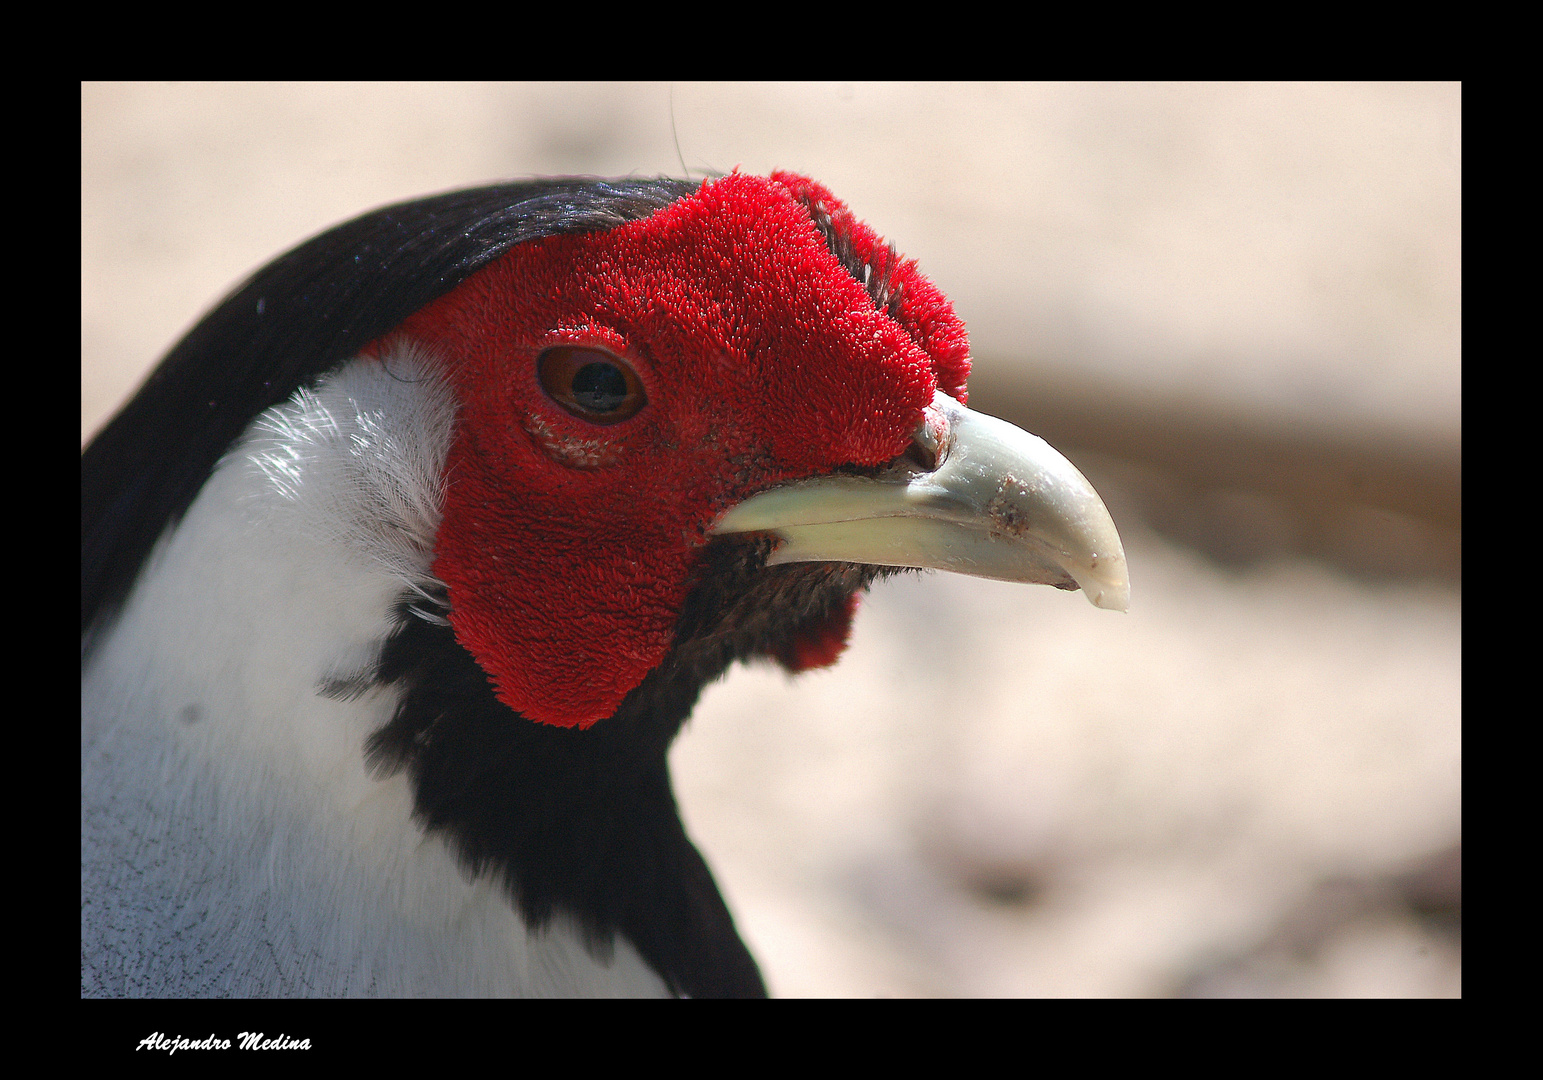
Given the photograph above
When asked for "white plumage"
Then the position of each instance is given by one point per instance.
(225, 800)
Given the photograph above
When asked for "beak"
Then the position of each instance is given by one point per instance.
(973, 494)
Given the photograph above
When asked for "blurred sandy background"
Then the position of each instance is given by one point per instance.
(1236, 307)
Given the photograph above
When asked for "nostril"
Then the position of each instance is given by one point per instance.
(922, 453)
(928, 445)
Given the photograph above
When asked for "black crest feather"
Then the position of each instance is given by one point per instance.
(295, 320)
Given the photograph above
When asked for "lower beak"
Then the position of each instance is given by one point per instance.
(973, 494)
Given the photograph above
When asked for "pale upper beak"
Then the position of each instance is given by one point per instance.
(974, 495)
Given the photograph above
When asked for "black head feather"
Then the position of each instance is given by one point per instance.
(295, 320)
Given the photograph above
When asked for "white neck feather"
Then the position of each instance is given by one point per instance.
(232, 840)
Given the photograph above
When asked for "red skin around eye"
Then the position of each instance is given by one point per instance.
(568, 546)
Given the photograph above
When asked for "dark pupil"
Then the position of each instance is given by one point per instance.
(599, 387)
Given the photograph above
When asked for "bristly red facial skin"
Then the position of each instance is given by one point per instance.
(924, 311)
(821, 644)
(567, 546)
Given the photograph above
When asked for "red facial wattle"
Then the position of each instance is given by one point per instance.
(568, 544)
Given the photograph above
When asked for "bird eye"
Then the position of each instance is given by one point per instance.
(591, 383)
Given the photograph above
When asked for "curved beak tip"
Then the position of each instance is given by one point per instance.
(1110, 592)
(993, 501)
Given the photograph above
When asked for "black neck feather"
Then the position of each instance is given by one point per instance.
(584, 822)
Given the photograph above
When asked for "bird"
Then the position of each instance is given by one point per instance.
(403, 569)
